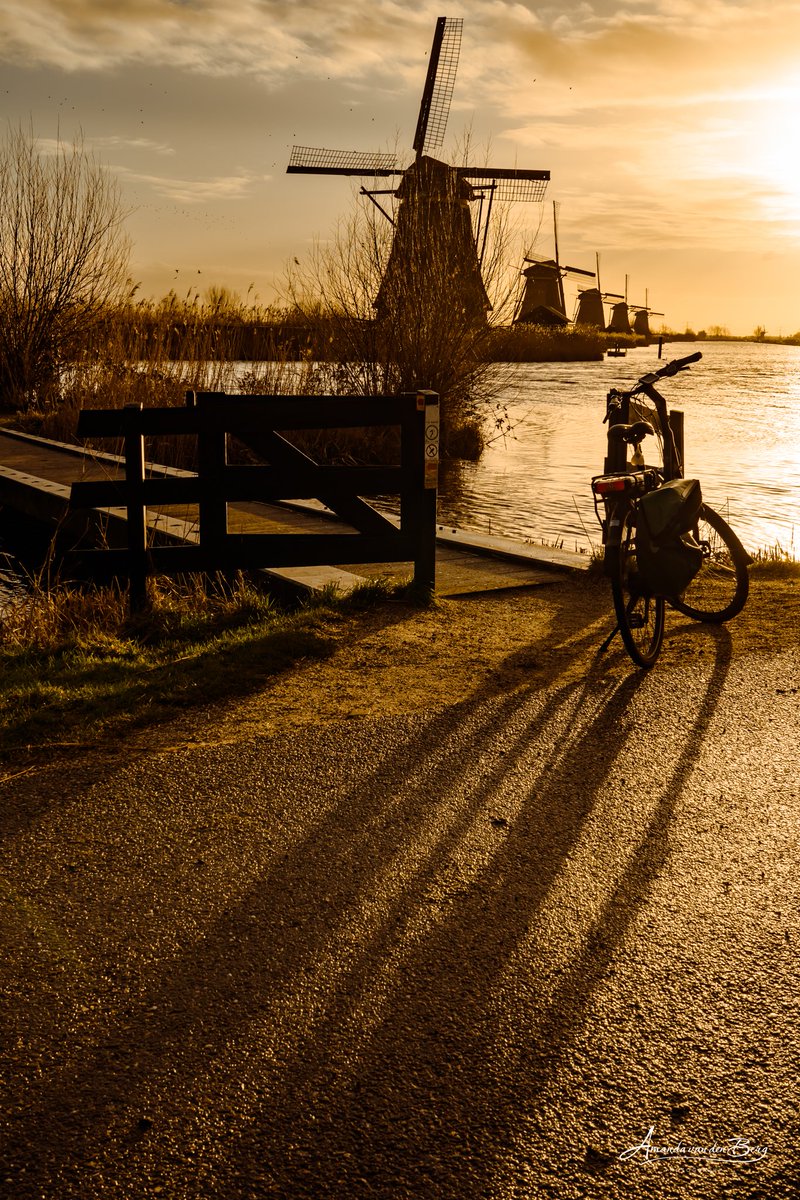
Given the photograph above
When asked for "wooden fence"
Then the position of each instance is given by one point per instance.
(288, 473)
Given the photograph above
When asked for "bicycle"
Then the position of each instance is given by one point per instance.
(709, 565)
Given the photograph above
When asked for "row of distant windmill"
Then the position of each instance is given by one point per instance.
(436, 197)
(543, 301)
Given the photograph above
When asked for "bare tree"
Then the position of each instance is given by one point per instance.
(63, 262)
(406, 307)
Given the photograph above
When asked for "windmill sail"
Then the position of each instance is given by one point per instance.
(439, 83)
(311, 160)
(434, 231)
(508, 183)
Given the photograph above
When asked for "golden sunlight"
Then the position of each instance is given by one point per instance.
(772, 152)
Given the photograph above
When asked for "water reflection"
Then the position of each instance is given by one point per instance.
(742, 409)
(11, 578)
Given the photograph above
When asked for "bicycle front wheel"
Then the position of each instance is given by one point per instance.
(720, 588)
(640, 615)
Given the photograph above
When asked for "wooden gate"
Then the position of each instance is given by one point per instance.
(288, 473)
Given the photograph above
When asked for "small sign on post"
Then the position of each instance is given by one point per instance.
(430, 402)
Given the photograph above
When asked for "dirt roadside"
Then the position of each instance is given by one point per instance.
(397, 658)
(243, 945)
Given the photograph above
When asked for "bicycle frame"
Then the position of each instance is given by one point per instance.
(669, 423)
(670, 426)
(716, 586)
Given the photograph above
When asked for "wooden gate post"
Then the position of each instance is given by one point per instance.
(426, 461)
(212, 442)
(137, 523)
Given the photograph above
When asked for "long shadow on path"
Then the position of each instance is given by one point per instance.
(337, 1032)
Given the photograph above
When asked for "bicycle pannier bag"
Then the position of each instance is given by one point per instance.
(667, 570)
(671, 509)
(667, 556)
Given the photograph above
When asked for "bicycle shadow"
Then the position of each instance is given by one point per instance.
(433, 1066)
(402, 926)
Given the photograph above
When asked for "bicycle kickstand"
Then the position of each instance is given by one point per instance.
(609, 639)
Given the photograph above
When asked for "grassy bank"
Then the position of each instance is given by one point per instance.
(75, 669)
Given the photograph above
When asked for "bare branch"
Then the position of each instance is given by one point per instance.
(63, 261)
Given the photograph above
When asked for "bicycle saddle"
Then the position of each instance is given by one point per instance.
(632, 434)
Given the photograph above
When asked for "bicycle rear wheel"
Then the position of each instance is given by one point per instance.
(640, 615)
(721, 586)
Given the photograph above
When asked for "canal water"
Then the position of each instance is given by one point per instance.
(741, 404)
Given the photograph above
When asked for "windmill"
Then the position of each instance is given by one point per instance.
(435, 247)
(591, 301)
(620, 320)
(543, 299)
(641, 315)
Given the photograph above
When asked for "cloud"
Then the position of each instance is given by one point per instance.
(195, 191)
(266, 38)
(213, 37)
(122, 143)
(623, 44)
(580, 58)
(55, 146)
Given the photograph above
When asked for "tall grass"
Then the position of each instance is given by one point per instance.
(153, 353)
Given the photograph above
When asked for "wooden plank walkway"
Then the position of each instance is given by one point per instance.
(466, 563)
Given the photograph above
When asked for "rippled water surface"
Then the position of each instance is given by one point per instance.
(742, 440)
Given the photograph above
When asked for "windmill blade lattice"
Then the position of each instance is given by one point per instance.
(507, 183)
(439, 83)
(310, 160)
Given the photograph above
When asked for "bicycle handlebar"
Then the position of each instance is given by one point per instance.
(678, 364)
(645, 384)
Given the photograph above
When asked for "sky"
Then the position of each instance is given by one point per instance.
(669, 128)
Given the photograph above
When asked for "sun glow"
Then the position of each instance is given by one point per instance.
(772, 157)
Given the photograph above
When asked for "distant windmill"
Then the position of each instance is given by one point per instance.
(591, 311)
(641, 315)
(434, 244)
(543, 299)
(620, 321)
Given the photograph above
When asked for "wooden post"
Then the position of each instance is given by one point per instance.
(211, 463)
(137, 519)
(424, 467)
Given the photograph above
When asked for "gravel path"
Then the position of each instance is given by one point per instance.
(479, 950)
